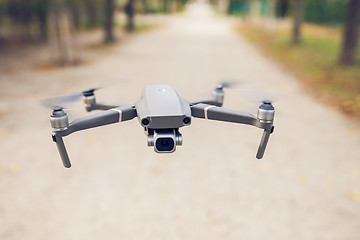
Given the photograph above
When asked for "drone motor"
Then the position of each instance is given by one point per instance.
(59, 120)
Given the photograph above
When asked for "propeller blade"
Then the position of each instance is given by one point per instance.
(229, 83)
(90, 91)
(259, 97)
(59, 102)
(226, 85)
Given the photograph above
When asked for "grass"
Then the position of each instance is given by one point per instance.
(314, 61)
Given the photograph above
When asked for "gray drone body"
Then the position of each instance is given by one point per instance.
(160, 107)
(161, 112)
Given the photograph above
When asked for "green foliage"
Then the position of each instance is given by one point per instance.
(315, 63)
(325, 11)
(239, 7)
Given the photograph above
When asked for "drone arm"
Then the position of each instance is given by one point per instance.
(209, 102)
(111, 116)
(221, 114)
(217, 98)
(96, 120)
(101, 106)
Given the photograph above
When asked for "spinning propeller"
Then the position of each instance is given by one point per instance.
(61, 101)
(259, 97)
(229, 83)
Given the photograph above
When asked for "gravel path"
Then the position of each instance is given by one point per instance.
(307, 187)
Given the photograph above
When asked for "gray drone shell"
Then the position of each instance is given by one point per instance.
(161, 107)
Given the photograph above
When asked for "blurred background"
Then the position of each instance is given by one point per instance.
(302, 54)
(317, 40)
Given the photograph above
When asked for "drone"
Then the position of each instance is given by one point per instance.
(160, 111)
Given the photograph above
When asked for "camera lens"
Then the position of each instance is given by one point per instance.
(165, 144)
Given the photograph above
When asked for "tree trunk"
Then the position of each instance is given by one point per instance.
(109, 21)
(43, 25)
(145, 6)
(91, 8)
(130, 13)
(61, 37)
(165, 6)
(282, 8)
(298, 12)
(75, 10)
(350, 37)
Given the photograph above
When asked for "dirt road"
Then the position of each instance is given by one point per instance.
(307, 186)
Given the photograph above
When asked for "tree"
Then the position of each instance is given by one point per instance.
(109, 21)
(298, 17)
(130, 13)
(145, 5)
(282, 8)
(41, 9)
(92, 11)
(61, 35)
(350, 37)
(165, 6)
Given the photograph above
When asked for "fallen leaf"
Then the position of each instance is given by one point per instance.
(355, 173)
(303, 180)
(355, 195)
(15, 167)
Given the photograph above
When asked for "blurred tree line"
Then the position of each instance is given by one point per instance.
(57, 20)
(344, 13)
(30, 18)
(327, 12)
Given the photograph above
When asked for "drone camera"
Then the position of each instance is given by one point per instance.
(165, 144)
(164, 140)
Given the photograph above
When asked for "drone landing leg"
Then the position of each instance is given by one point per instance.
(227, 115)
(119, 114)
(263, 142)
(62, 150)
